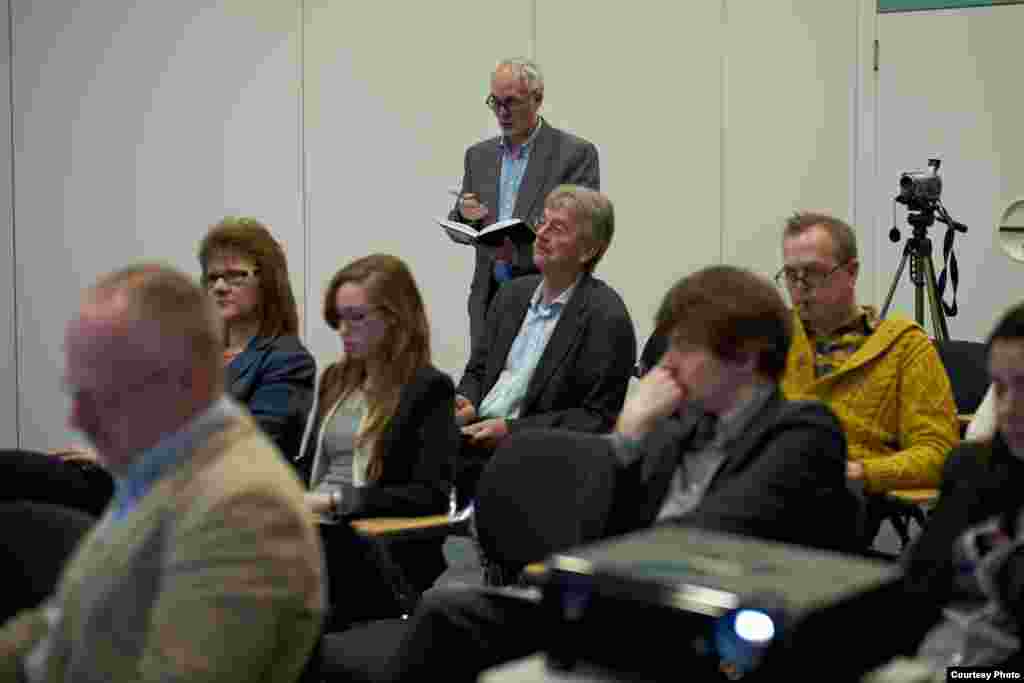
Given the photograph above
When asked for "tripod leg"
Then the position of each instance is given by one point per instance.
(938, 315)
(916, 275)
(895, 281)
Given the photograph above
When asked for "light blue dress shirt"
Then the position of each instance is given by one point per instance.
(506, 396)
(143, 474)
(514, 159)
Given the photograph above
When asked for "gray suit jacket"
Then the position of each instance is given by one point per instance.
(215, 576)
(557, 157)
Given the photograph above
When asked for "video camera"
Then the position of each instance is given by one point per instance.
(920, 190)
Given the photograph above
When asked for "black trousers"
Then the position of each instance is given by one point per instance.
(470, 465)
(454, 634)
(368, 579)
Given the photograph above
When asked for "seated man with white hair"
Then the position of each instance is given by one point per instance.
(206, 565)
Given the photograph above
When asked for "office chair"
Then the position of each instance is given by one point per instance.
(38, 539)
(966, 363)
(543, 491)
(654, 348)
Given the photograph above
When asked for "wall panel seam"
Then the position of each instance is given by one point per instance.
(12, 218)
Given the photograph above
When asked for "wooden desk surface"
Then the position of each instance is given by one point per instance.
(422, 527)
(917, 496)
(535, 571)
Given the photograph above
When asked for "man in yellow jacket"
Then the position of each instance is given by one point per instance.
(883, 378)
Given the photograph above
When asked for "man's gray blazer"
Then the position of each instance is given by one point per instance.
(556, 158)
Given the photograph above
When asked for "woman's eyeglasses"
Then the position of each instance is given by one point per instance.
(233, 278)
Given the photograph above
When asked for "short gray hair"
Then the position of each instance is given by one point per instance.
(525, 70)
(181, 310)
(592, 210)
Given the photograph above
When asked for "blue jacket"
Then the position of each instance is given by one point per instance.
(273, 377)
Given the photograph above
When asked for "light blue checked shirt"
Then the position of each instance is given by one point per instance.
(505, 398)
(141, 476)
(514, 159)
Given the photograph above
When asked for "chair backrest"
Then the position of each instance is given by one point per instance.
(38, 538)
(30, 475)
(654, 348)
(966, 364)
(543, 491)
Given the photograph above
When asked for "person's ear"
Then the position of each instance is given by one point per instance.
(538, 97)
(589, 254)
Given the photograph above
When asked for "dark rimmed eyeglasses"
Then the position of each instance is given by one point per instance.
(233, 278)
(809, 278)
(357, 315)
(509, 104)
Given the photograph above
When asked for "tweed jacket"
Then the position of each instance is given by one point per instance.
(216, 575)
(893, 398)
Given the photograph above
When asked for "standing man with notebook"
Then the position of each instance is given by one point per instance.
(510, 175)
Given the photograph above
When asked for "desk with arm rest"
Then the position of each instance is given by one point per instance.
(965, 420)
(924, 497)
(428, 526)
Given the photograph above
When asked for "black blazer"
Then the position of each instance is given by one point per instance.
(557, 157)
(581, 379)
(783, 479)
(420, 443)
(273, 377)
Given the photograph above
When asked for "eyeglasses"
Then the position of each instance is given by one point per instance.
(555, 228)
(509, 104)
(356, 315)
(233, 278)
(810, 278)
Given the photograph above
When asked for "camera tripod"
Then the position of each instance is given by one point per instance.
(918, 250)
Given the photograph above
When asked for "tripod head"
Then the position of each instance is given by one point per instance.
(921, 219)
(920, 192)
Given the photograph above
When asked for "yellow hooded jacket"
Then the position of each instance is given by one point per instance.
(893, 398)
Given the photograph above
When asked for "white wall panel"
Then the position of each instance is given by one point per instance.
(136, 126)
(643, 82)
(394, 94)
(8, 337)
(789, 118)
(949, 88)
